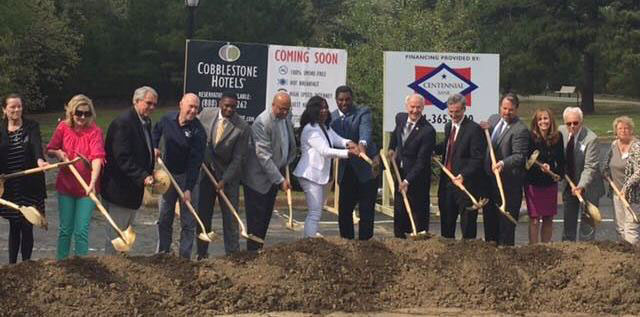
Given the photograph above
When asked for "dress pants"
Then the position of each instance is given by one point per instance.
(353, 192)
(627, 229)
(496, 226)
(455, 204)
(259, 211)
(571, 211)
(417, 195)
(123, 217)
(315, 194)
(207, 197)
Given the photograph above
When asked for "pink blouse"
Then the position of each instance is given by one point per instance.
(87, 142)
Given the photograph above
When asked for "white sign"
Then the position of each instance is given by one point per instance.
(305, 72)
(436, 76)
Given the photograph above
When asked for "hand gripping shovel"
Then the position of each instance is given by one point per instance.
(414, 235)
(208, 236)
(290, 224)
(592, 212)
(625, 202)
(30, 213)
(476, 204)
(127, 237)
(503, 206)
(533, 159)
(243, 230)
(32, 171)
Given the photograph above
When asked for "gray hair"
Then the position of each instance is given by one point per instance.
(569, 110)
(419, 96)
(622, 119)
(457, 99)
(141, 92)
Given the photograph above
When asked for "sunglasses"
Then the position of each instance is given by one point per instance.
(574, 123)
(82, 114)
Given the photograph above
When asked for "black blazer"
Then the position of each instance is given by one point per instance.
(33, 151)
(129, 161)
(415, 154)
(550, 154)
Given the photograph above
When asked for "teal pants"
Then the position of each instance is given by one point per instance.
(75, 215)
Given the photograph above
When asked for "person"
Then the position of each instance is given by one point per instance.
(317, 142)
(581, 157)
(358, 180)
(20, 149)
(463, 151)
(227, 138)
(541, 190)
(411, 144)
(618, 161)
(510, 142)
(271, 149)
(77, 135)
(130, 162)
(179, 138)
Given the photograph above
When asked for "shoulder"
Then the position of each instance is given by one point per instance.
(362, 110)
(63, 126)
(494, 118)
(401, 116)
(30, 124)
(238, 122)
(309, 130)
(590, 135)
(469, 123)
(95, 129)
(562, 129)
(198, 125)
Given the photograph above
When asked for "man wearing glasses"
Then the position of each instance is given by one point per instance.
(581, 153)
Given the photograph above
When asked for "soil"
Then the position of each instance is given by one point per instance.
(329, 275)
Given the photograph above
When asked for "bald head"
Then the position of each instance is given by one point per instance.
(281, 105)
(188, 107)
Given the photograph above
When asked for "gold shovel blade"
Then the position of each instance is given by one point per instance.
(34, 216)
(422, 235)
(124, 245)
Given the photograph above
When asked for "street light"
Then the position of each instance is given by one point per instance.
(191, 6)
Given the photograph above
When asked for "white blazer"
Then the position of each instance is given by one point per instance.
(315, 161)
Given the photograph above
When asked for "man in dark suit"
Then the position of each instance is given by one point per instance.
(462, 153)
(411, 144)
(357, 179)
(510, 141)
(227, 141)
(130, 161)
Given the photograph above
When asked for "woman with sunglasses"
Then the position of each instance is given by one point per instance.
(20, 149)
(77, 135)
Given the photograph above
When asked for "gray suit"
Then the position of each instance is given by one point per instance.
(264, 171)
(586, 157)
(225, 158)
(511, 147)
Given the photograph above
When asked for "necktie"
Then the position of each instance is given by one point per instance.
(407, 131)
(498, 131)
(571, 164)
(220, 129)
(450, 145)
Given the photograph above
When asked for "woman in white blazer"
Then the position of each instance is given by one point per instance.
(317, 142)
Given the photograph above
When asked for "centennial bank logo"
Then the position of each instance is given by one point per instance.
(229, 53)
(437, 84)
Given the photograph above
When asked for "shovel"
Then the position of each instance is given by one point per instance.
(533, 159)
(32, 171)
(293, 226)
(476, 204)
(592, 212)
(625, 202)
(210, 236)
(30, 213)
(503, 206)
(387, 173)
(414, 235)
(243, 230)
(127, 237)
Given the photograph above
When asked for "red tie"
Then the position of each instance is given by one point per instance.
(450, 147)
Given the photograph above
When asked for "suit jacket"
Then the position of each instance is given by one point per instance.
(586, 157)
(467, 155)
(261, 171)
(228, 155)
(129, 161)
(33, 151)
(512, 148)
(315, 161)
(415, 154)
(356, 125)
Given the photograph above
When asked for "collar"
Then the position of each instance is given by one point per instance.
(577, 134)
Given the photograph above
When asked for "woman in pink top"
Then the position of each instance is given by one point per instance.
(77, 135)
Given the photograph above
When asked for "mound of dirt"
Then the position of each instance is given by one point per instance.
(319, 276)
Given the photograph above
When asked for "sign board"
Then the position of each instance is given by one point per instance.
(436, 76)
(257, 71)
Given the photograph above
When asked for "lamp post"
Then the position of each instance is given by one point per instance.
(191, 7)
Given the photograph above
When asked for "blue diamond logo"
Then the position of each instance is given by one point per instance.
(440, 83)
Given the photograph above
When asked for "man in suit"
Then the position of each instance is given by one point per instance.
(273, 147)
(129, 160)
(357, 179)
(227, 140)
(462, 151)
(510, 142)
(581, 156)
(411, 144)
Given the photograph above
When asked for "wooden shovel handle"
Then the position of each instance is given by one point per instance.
(405, 199)
(366, 158)
(553, 175)
(387, 172)
(39, 169)
(289, 196)
(493, 162)
(625, 202)
(225, 198)
(9, 204)
(461, 187)
(573, 187)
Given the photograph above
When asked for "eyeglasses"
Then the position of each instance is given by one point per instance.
(82, 114)
(574, 123)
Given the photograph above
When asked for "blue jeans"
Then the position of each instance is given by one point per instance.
(167, 205)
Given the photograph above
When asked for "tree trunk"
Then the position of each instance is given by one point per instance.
(587, 84)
